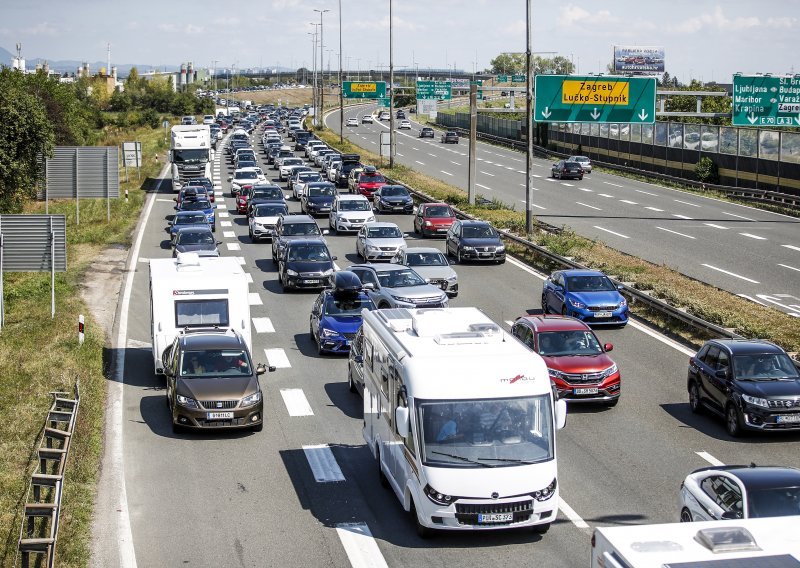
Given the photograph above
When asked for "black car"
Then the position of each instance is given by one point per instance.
(450, 137)
(474, 240)
(349, 162)
(564, 169)
(425, 132)
(751, 383)
(301, 139)
(318, 198)
(294, 227)
(392, 199)
(305, 263)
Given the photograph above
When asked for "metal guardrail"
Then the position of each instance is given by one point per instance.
(39, 531)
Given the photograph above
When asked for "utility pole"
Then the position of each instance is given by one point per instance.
(529, 119)
(320, 125)
(341, 90)
(473, 141)
(391, 90)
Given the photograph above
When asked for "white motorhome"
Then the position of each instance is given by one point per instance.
(192, 292)
(769, 542)
(461, 418)
(190, 153)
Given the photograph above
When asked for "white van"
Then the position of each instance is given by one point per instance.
(461, 418)
(190, 292)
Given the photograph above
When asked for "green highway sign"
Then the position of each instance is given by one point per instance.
(576, 98)
(439, 90)
(518, 78)
(383, 102)
(363, 89)
(766, 101)
(502, 79)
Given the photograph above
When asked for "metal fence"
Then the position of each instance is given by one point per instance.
(81, 171)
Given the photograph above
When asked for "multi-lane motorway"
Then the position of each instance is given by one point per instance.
(747, 251)
(254, 499)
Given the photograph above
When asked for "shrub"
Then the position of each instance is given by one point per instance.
(706, 170)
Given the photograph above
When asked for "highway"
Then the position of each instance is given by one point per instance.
(252, 499)
(747, 251)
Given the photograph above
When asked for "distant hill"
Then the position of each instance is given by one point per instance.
(70, 66)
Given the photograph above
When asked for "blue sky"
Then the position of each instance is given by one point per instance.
(709, 39)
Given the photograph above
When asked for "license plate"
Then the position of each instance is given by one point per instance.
(602, 314)
(486, 254)
(311, 281)
(787, 418)
(588, 390)
(220, 415)
(398, 207)
(496, 518)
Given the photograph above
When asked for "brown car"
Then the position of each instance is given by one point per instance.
(212, 382)
(450, 137)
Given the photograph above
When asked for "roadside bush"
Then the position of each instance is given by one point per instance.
(706, 170)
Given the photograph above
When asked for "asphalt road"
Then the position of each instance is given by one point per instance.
(251, 499)
(747, 251)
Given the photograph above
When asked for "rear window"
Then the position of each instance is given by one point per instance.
(201, 312)
(371, 178)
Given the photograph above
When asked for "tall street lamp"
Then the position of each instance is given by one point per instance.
(529, 119)
(341, 86)
(391, 90)
(321, 70)
(314, 67)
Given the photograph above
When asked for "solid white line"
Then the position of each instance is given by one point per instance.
(484, 187)
(263, 325)
(614, 184)
(680, 216)
(716, 226)
(420, 163)
(570, 513)
(487, 173)
(791, 247)
(296, 402)
(589, 206)
(731, 274)
(233, 246)
(225, 224)
(739, 216)
(752, 299)
(655, 209)
(628, 202)
(254, 299)
(675, 233)
(756, 237)
(789, 267)
(710, 459)
(323, 463)
(605, 195)
(687, 203)
(612, 232)
(446, 173)
(277, 357)
(229, 234)
(360, 546)
(646, 192)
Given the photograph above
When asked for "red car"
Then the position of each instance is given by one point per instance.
(433, 219)
(577, 362)
(369, 181)
(241, 199)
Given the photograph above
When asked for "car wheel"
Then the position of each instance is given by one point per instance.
(694, 398)
(251, 236)
(352, 383)
(459, 260)
(384, 306)
(541, 529)
(274, 260)
(732, 422)
(686, 515)
(284, 284)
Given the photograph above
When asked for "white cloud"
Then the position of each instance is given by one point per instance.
(281, 4)
(191, 29)
(40, 29)
(572, 15)
(717, 20)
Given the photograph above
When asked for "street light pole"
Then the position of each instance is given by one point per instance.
(314, 72)
(391, 90)
(529, 120)
(320, 125)
(341, 89)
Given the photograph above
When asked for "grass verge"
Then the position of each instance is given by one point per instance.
(707, 302)
(39, 354)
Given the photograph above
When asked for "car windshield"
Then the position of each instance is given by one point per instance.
(764, 367)
(269, 210)
(246, 164)
(247, 175)
(438, 211)
(597, 283)
(572, 165)
(268, 193)
(195, 205)
(485, 433)
(191, 219)
(371, 178)
(773, 502)
(354, 205)
(425, 259)
(293, 162)
(580, 159)
(309, 253)
(309, 176)
(572, 342)
(479, 232)
(195, 238)
(384, 233)
(393, 191)
(320, 190)
(348, 305)
(400, 279)
(294, 229)
(215, 363)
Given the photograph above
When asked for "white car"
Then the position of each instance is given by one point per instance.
(316, 150)
(404, 125)
(286, 155)
(244, 177)
(584, 161)
(349, 212)
(288, 165)
(352, 122)
(384, 116)
(321, 154)
(379, 241)
(299, 186)
(367, 119)
(263, 218)
(314, 145)
(432, 265)
(333, 166)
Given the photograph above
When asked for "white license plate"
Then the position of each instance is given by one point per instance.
(588, 390)
(398, 207)
(219, 415)
(496, 518)
(311, 281)
(787, 418)
(602, 314)
(486, 254)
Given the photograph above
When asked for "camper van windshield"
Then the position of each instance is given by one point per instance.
(189, 313)
(486, 433)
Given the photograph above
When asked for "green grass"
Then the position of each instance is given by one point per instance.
(39, 354)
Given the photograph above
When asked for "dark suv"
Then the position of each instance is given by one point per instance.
(212, 381)
(752, 383)
(305, 263)
(293, 227)
(564, 169)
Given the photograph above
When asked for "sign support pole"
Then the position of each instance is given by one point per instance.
(473, 142)
(52, 271)
(529, 120)
(391, 91)
(2, 279)
(108, 192)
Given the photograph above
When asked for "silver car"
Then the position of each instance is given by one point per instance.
(379, 241)
(397, 286)
(432, 265)
(585, 162)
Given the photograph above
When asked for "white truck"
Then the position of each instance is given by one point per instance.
(461, 418)
(189, 153)
(751, 543)
(192, 292)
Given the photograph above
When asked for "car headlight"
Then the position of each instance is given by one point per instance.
(467, 248)
(373, 249)
(428, 224)
(403, 299)
(452, 278)
(546, 493)
(610, 371)
(500, 249)
(576, 304)
(328, 272)
(329, 332)
(186, 401)
(555, 373)
(291, 272)
(436, 497)
(254, 398)
(755, 401)
(622, 303)
(370, 219)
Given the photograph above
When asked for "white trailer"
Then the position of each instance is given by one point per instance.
(189, 153)
(192, 292)
(461, 418)
(751, 543)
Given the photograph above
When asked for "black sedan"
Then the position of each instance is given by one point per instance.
(305, 263)
(392, 199)
(474, 240)
(564, 169)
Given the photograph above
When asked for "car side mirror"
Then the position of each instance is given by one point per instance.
(230, 178)
(402, 421)
(261, 369)
(620, 287)
(554, 165)
(608, 347)
(368, 286)
(730, 515)
(721, 373)
(334, 258)
(561, 413)
(175, 199)
(325, 231)
(175, 208)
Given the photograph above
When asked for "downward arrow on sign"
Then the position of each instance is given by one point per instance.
(546, 112)
(595, 113)
(643, 115)
(752, 118)
(797, 120)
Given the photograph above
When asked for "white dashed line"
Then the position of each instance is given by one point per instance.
(614, 184)
(589, 206)
(646, 192)
(218, 193)
(716, 226)
(568, 184)
(686, 203)
(612, 232)
(162, 200)
(263, 325)
(433, 155)
(680, 216)
(586, 189)
(294, 399)
(420, 163)
(360, 546)
(487, 174)
(144, 260)
(484, 187)
(756, 237)
(523, 172)
(535, 175)
(229, 234)
(446, 173)
(791, 247)
(605, 195)
(323, 464)
(675, 232)
(225, 224)
(223, 214)
(628, 202)
(254, 299)
(233, 246)
(789, 267)
(456, 163)
(655, 209)
(277, 358)
(221, 206)
(710, 459)
(738, 216)
(731, 274)
(399, 154)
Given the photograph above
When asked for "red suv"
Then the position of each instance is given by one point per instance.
(370, 180)
(433, 219)
(576, 361)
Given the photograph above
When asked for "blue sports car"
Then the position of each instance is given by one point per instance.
(587, 295)
(336, 314)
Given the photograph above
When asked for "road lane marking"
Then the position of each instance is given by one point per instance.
(612, 232)
(229, 234)
(225, 224)
(143, 259)
(716, 226)
(739, 216)
(756, 237)
(568, 184)
(296, 401)
(223, 214)
(551, 179)
(218, 193)
(487, 174)
(446, 173)
(629, 202)
(162, 200)
(681, 216)
(675, 233)
(789, 267)
(646, 192)
(791, 247)
(276, 357)
(399, 154)
(360, 546)
(536, 176)
(793, 310)
(752, 299)
(233, 246)
(687, 203)
(587, 190)
(240, 260)
(589, 206)
(710, 459)
(254, 299)
(655, 209)
(731, 274)
(523, 172)
(456, 163)
(605, 195)
(221, 206)
(420, 163)
(614, 184)
(323, 464)
(433, 155)
(484, 187)
(263, 325)
(570, 513)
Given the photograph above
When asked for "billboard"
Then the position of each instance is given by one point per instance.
(638, 60)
